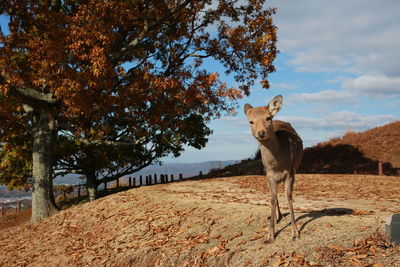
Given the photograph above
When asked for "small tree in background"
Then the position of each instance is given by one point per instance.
(117, 72)
(107, 161)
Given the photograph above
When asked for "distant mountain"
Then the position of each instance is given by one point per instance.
(69, 179)
(6, 195)
(187, 170)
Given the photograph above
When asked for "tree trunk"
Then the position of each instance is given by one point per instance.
(44, 134)
(91, 185)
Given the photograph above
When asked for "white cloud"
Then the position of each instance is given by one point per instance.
(319, 61)
(340, 121)
(323, 97)
(374, 85)
(283, 86)
(353, 89)
(355, 36)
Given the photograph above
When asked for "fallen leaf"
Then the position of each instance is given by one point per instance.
(212, 251)
(362, 212)
(361, 256)
(235, 236)
(215, 236)
(257, 236)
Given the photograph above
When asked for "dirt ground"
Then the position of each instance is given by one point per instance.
(217, 222)
(12, 219)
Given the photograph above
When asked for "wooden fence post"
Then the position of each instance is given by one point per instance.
(201, 174)
(172, 177)
(79, 190)
(105, 186)
(3, 210)
(155, 178)
(166, 178)
(140, 180)
(180, 177)
(130, 181)
(118, 183)
(380, 170)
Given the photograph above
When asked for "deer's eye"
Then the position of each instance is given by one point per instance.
(268, 118)
(251, 122)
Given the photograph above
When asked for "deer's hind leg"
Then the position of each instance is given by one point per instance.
(279, 214)
(289, 182)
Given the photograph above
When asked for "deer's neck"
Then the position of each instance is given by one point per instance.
(270, 149)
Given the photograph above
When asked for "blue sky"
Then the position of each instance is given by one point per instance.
(338, 71)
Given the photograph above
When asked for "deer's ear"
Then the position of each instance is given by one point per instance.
(275, 105)
(246, 108)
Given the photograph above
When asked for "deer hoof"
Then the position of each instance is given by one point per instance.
(294, 237)
(271, 237)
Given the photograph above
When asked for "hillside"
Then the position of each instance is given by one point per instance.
(380, 143)
(216, 222)
(356, 152)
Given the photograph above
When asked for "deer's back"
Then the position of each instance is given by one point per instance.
(289, 142)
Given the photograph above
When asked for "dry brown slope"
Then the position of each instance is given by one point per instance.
(356, 152)
(218, 222)
(380, 143)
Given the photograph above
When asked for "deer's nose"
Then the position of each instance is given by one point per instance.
(261, 134)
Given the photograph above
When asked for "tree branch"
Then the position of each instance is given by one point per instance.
(148, 28)
(130, 170)
(109, 143)
(30, 96)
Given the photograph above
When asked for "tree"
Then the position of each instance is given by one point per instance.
(69, 66)
(108, 161)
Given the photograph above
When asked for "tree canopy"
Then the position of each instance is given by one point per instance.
(113, 73)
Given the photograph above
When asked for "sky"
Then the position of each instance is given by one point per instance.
(338, 70)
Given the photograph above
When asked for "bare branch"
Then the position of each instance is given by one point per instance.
(110, 143)
(37, 96)
(148, 28)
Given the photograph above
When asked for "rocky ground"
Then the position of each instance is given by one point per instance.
(217, 222)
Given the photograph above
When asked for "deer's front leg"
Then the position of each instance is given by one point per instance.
(274, 200)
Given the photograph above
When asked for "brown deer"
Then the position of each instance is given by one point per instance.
(281, 153)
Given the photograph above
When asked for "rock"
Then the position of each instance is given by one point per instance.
(393, 228)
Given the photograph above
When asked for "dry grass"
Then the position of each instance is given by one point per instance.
(356, 152)
(216, 222)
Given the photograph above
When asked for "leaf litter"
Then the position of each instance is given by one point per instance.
(185, 224)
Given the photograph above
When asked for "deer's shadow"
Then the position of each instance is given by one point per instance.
(316, 214)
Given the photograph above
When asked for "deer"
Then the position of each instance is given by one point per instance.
(281, 153)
